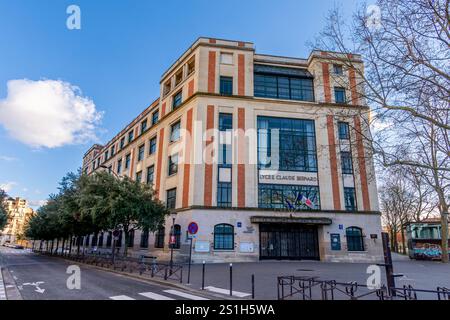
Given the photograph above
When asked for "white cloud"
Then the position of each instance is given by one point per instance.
(7, 158)
(7, 186)
(48, 113)
(37, 203)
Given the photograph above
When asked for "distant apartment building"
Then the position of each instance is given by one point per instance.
(18, 216)
(265, 154)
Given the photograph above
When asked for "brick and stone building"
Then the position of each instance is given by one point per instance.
(266, 154)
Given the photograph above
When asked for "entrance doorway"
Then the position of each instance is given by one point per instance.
(290, 241)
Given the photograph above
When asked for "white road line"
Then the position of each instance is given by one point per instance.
(2, 287)
(121, 298)
(185, 295)
(155, 296)
(227, 292)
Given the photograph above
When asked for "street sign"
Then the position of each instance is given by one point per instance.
(193, 228)
(172, 240)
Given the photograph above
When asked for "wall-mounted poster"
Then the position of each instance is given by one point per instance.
(335, 241)
(246, 247)
(201, 246)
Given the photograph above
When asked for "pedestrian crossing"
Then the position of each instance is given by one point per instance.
(2, 287)
(14, 251)
(227, 292)
(164, 295)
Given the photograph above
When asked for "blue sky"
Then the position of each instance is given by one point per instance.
(116, 59)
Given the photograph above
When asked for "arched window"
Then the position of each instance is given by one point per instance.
(100, 240)
(223, 237)
(144, 238)
(177, 234)
(159, 237)
(355, 240)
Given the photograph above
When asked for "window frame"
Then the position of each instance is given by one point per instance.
(160, 236)
(177, 100)
(343, 92)
(224, 241)
(141, 152)
(153, 174)
(152, 146)
(175, 125)
(357, 241)
(226, 82)
(172, 198)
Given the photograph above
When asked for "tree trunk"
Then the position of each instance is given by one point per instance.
(403, 240)
(444, 234)
(78, 244)
(57, 246)
(70, 245)
(63, 246)
(125, 249)
(51, 248)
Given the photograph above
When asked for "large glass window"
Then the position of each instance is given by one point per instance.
(346, 162)
(175, 131)
(344, 132)
(355, 239)
(283, 83)
(143, 126)
(226, 85)
(152, 147)
(130, 136)
(144, 239)
(155, 117)
(277, 196)
(224, 194)
(350, 199)
(159, 237)
(286, 144)
(171, 198)
(113, 150)
(127, 161)
(119, 166)
(150, 174)
(122, 142)
(139, 176)
(173, 164)
(177, 99)
(141, 152)
(339, 95)
(223, 237)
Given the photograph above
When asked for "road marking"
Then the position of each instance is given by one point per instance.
(36, 285)
(2, 287)
(227, 292)
(185, 295)
(123, 297)
(155, 296)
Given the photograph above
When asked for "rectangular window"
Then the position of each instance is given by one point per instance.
(110, 169)
(106, 155)
(139, 176)
(337, 69)
(177, 99)
(292, 142)
(130, 240)
(226, 58)
(171, 198)
(150, 174)
(130, 136)
(113, 150)
(173, 164)
(109, 239)
(339, 95)
(144, 239)
(346, 162)
(226, 86)
(350, 199)
(143, 126)
(127, 161)
(277, 196)
(141, 150)
(152, 147)
(179, 77)
(191, 66)
(224, 194)
(155, 117)
(283, 83)
(122, 142)
(119, 166)
(344, 132)
(175, 131)
(167, 87)
(159, 237)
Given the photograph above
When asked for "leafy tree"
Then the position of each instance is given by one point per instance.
(3, 211)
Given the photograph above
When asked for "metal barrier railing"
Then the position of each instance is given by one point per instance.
(311, 288)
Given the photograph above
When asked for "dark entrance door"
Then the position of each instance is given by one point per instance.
(288, 241)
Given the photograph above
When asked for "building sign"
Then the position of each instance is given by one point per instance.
(335, 241)
(288, 177)
(201, 246)
(193, 228)
(246, 247)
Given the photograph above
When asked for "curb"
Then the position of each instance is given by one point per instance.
(2, 286)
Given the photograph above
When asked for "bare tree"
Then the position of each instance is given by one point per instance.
(406, 82)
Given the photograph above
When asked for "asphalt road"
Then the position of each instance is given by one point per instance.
(45, 278)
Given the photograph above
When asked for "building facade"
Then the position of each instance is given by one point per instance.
(265, 154)
(18, 216)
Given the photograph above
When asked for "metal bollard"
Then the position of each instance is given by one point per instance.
(231, 279)
(253, 286)
(203, 275)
